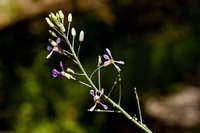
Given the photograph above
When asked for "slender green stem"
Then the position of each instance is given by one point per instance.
(73, 42)
(79, 47)
(68, 29)
(113, 86)
(95, 71)
(120, 93)
(120, 88)
(138, 103)
(107, 111)
(67, 52)
(83, 83)
(99, 76)
(142, 126)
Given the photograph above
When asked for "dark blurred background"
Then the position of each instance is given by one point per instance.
(158, 40)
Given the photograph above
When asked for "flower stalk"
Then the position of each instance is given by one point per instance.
(97, 93)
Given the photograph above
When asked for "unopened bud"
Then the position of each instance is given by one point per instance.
(69, 70)
(62, 27)
(49, 22)
(58, 16)
(67, 75)
(81, 36)
(52, 33)
(61, 14)
(73, 32)
(69, 17)
(99, 60)
(53, 17)
(52, 42)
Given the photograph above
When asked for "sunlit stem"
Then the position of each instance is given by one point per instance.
(83, 83)
(120, 93)
(80, 74)
(120, 89)
(99, 76)
(73, 42)
(115, 82)
(95, 71)
(79, 47)
(68, 29)
(106, 111)
(138, 103)
(65, 51)
(104, 96)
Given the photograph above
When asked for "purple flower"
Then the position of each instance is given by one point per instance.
(97, 99)
(56, 73)
(54, 48)
(110, 60)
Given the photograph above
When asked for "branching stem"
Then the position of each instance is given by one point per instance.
(140, 125)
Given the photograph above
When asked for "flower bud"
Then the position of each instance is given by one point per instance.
(81, 36)
(62, 27)
(69, 17)
(99, 60)
(52, 42)
(49, 22)
(58, 16)
(52, 33)
(67, 75)
(73, 32)
(61, 14)
(69, 70)
(53, 17)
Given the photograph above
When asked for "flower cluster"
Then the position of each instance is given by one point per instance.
(56, 22)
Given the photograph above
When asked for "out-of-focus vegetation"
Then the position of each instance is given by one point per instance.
(158, 40)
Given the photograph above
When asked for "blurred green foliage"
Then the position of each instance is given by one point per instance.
(159, 41)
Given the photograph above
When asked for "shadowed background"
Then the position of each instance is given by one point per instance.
(158, 40)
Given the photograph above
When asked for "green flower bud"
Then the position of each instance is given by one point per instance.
(52, 42)
(73, 32)
(61, 14)
(49, 22)
(69, 70)
(52, 33)
(62, 27)
(69, 17)
(81, 36)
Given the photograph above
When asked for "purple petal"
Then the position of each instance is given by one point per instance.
(106, 63)
(118, 69)
(102, 91)
(61, 66)
(55, 73)
(92, 92)
(109, 53)
(49, 48)
(106, 57)
(49, 55)
(58, 40)
(104, 106)
(120, 62)
(93, 107)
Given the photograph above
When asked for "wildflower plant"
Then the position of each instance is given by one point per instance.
(58, 31)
